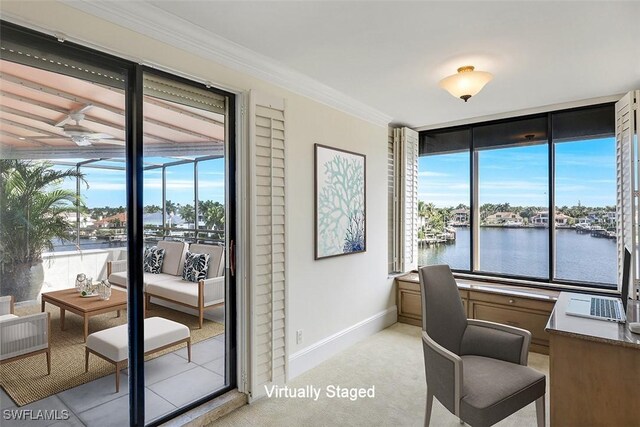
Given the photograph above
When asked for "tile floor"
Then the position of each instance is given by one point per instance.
(170, 380)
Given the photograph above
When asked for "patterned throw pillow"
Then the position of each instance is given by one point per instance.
(195, 267)
(153, 258)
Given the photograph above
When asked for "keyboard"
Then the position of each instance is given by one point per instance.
(605, 308)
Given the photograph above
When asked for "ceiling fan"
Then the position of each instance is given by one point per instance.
(81, 135)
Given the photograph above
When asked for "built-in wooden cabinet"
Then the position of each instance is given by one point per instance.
(521, 307)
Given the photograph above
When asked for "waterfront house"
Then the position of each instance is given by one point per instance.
(85, 220)
(118, 220)
(460, 216)
(501, 217)
(542, 218)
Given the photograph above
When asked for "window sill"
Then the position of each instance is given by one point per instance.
(492, 281)
(466, 283)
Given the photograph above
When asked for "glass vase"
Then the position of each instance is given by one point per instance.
(81, 281)
(104, 290)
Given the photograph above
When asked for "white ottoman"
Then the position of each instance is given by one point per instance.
(112, 344)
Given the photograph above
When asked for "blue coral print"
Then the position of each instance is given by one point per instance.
(341, 203)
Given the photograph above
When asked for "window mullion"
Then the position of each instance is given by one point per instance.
(475, 211)
(552, 200)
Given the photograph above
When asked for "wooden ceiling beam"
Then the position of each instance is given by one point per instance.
(109, 152)
(22, 138)
(39, 87)
(32, 101)
(30, 128)
(85, 101)
(26, 115)
(175, 109)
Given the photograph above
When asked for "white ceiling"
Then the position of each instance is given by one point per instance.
(390, 55)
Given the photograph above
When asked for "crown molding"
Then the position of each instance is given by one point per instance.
(149, 20)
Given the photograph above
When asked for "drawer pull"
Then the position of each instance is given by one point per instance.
(512, 301)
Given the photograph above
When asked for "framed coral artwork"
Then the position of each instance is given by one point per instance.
(340, 202)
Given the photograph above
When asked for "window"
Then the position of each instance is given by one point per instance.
(585, 196)
(485, 192)
(71, 110)
(513, 187)
(443, 200)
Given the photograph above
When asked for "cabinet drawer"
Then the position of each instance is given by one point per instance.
(514, 301)
(526, 319)
(410, 304)
(410, 286)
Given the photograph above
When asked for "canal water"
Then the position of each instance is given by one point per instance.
(85, 244)
(525, 252)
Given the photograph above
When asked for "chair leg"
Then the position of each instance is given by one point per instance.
(117, 377)
(147, 303)
(86, 359)
(200, 317)
(540, 411)
(189, 350)
(427, 411)
(48, 353)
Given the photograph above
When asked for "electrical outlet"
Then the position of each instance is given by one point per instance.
(299, 336)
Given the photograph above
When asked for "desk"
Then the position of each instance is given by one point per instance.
(594, 369)
(525, 308)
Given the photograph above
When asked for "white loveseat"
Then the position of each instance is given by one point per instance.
(169, 285)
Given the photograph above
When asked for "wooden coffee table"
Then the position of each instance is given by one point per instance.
(70, 300)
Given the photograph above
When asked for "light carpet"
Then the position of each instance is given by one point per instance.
(392, 361)
(26, 380)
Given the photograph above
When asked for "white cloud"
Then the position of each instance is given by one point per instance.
(425, 174)
(106, 186)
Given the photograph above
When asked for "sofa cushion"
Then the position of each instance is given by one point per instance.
(175, 290)
(173, 256)
(216, 262)
(152, 260)
(120, 278)
(196, 266)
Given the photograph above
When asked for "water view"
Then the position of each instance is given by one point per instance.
(524, 252)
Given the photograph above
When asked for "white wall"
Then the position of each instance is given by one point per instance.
(327, 297)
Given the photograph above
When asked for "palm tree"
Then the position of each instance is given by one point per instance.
(213, 214)
(32, 214)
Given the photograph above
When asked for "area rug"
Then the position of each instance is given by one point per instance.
(26, 380)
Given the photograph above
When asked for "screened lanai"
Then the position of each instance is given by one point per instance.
(74, 123)
(60, 115)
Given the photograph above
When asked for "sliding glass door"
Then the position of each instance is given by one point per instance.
(114, 178)
(186, 240)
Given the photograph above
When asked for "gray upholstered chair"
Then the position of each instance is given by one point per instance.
(476, 369)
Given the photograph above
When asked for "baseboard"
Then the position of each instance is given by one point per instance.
(320, 351)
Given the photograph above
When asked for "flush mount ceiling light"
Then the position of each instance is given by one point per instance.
(466, 83)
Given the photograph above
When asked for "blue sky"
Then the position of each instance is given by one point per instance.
(585, 172)
(107, 187)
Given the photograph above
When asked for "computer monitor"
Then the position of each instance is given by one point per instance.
(626, 271)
